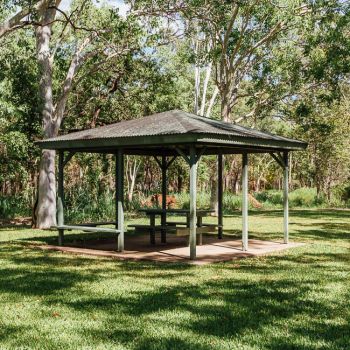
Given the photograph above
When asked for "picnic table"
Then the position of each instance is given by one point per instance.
(172, 226)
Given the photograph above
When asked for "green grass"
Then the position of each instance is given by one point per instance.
(297, 299)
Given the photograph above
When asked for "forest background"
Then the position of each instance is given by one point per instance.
(281, 67)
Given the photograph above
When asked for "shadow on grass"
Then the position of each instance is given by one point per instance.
(39, 274)
(321, 234)
(236, 299)
(305, 213)
(228, 306)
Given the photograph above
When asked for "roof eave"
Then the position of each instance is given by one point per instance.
(166, 140)
(290, 145)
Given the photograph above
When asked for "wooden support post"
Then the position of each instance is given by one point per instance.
(193, 201)
(245, 201)
(120, 198)
(220, 195)
(164, 193)
(285, 197)
(60, 197)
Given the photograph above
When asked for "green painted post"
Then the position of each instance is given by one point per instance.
(193, 202)
(164, 193)
(60, 197)
(245, 201)
(120, 198)
(285, 197)
(220, 195)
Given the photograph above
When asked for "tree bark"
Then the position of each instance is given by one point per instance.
(211, 102)
(225, 107)
(205, 88)
(132, 170)
(46, 205)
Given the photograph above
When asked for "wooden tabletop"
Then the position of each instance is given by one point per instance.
(155, 211)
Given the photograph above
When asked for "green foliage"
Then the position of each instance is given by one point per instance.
(270, 198)
(85, 203)
(15, 206)
(84, 206)
(304, 198)
(299, 198)
(299, 80)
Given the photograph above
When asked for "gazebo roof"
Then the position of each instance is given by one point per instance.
(161, 133)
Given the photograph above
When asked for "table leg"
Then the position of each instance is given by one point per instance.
(163, 231)
(200, 224)
(187, 220)
(152, 229)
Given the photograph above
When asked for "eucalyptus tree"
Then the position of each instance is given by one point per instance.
(258, 53)
(234, 38)
(65, 41)
(326, 127)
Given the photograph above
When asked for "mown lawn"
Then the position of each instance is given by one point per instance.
(298, 299)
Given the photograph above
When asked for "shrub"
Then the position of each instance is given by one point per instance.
(183, 200)
(83, 206)
(15, 206)
(304, 197)
(231, 203)
(270, 198)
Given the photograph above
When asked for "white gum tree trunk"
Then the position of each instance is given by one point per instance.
(52, 113)
(132, 170)
(46, 204)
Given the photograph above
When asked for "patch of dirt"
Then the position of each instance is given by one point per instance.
(254, 202)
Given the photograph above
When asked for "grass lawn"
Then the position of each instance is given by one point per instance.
(297, 299)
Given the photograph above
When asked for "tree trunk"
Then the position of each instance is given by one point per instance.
(46, 205)
(214, 192)
(211, 102)
(132, 170)
(225, 108)
(205, 88)
(226, 116)
(179, 181)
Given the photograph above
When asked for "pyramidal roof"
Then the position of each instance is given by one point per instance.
(168, 123)
(174, 122)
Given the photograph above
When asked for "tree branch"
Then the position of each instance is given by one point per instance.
(15, 21)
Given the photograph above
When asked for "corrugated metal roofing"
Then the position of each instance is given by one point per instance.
(174, 122)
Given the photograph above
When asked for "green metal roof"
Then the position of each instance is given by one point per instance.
(162, 132)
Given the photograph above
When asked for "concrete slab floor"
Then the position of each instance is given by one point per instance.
(175, 250)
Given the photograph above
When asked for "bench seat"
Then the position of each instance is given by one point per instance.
(94, 224)
(86, 228)
(149, 227)
(174, 223)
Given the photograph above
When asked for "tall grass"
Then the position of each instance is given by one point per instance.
(301, 197)
(84, 206)
(231, 202)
